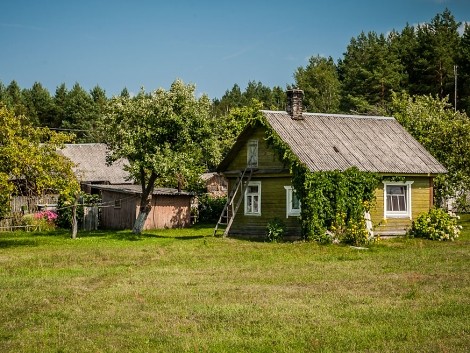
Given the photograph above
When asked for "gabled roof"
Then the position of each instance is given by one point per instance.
(337, 142)
(137, 190)
(90, 163)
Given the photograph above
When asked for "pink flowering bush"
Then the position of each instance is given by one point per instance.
(42, 220)
(48, 215)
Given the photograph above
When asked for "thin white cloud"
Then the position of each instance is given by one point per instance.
(238, 53)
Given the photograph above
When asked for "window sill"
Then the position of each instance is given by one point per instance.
(293, 215)
(387, 216)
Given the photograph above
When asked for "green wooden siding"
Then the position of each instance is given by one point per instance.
(273, 195)
(273, 204)
(267, 158)
(421, 201)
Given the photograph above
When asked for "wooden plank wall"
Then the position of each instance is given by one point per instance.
(421, 201)
(267, 158)
(273, 204)
(169, 212)
(118, 218)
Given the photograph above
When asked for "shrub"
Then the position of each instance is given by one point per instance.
(275, 230)
(352, 232)
(42, 220)
(356, 233)
(210, 208)
(436, 224)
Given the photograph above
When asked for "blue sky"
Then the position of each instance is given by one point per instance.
(213, 44)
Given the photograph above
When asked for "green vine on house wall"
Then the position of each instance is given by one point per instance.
(394, 178)
(333, 202)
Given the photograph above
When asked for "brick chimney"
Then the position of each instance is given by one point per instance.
(294, 103)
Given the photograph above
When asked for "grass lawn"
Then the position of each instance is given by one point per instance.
(185, 291)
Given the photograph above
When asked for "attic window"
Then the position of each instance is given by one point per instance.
(336, 149)
(252, 154)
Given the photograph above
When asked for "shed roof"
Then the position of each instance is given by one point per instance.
(90, 163)
(337, 142)
(137, 190)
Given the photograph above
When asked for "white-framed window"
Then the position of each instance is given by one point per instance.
(252, 153)
(397, 199)
(292, 202)
(253, 198)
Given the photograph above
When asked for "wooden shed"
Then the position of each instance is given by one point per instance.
(170, 208)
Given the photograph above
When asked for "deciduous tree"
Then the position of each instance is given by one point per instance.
(166, 136)
(443, 132)
(29, 162)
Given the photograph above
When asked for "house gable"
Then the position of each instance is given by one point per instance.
(268, 161)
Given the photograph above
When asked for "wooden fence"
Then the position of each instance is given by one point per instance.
(21, 205)
(90, 218)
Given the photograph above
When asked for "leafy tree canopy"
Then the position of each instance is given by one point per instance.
(320, 82)
(165, 135)
(29, 163)
(443, 132)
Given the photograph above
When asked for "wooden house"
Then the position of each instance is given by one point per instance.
(91, 167)
(325, 142)
(120, 207)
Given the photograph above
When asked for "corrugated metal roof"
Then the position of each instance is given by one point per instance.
(337, 142)
(90, 163)
(137, 189)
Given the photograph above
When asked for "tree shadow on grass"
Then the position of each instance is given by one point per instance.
(129, 236)
(125, 235)
(14, 243)
(182, 237)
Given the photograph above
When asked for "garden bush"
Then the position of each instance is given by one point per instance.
(210, 208)
(42, 220)
(436, 224)
(275, 230)
(65, 208)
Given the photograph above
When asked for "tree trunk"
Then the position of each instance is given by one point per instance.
(74, 219)
(141, 218)
(145, 201)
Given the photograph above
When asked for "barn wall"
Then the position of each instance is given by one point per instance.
(122, 217)
(169, 212)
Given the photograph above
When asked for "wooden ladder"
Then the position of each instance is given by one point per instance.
(230, 209)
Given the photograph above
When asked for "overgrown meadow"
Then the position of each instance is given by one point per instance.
(185, 291)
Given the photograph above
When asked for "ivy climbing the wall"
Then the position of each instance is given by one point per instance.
(333, 202)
